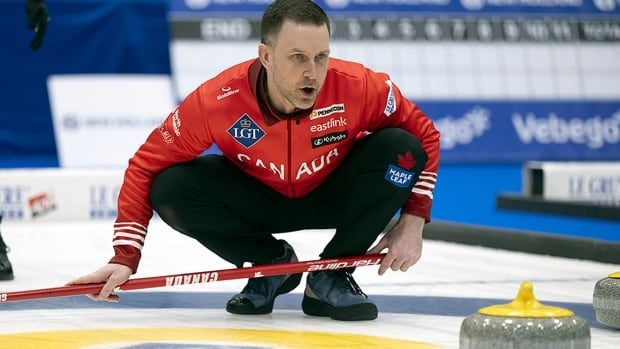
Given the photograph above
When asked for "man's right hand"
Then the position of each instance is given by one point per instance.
(112, 274)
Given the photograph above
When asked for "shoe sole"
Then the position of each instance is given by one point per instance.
(356, 312)
(6, 277)
(289, 284)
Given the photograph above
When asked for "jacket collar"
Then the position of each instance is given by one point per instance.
(258, 82)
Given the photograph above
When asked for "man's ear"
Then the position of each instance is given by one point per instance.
(264, 55)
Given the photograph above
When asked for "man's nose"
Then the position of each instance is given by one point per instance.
(310, 71)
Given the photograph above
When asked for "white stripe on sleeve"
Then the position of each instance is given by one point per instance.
(422, 192)
(129, 235)
(425, 184)
(130, 223)
(124, 228)
(127, 242)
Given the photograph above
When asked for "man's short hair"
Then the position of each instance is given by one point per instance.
(298, 11)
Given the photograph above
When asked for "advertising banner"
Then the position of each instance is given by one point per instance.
(59, 194)
(597, 182)
(516, 131)
(101, 120)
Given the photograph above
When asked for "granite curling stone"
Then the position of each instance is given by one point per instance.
(524, 323)
(607, 300)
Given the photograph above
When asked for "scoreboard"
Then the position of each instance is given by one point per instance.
(414, 27)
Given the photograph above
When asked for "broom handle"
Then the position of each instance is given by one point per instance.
(199, 277)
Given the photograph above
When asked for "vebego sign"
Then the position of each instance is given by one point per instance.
(593, 132)
(526, 131)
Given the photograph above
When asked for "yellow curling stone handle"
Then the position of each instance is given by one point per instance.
(615, 275)
(525, 305)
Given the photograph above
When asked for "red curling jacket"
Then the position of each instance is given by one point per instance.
(291, 154)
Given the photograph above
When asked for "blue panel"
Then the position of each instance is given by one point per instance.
(95, 36)
(513, 131)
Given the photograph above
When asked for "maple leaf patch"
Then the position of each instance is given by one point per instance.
(406, 161)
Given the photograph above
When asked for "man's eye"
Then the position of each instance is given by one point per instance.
(321, 57)
(299, 57)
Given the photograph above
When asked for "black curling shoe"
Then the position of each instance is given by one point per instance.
(258, 295)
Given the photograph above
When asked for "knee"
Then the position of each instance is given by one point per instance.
(396, 142)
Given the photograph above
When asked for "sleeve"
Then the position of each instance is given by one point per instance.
(182, 136)
(386, 107)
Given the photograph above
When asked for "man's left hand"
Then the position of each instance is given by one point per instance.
(404, 244)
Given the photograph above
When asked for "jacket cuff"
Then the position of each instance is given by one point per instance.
(418, 206)
(128, 256)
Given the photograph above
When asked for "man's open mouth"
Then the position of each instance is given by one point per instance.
(308, 91)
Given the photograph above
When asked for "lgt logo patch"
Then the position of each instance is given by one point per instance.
(246, 131)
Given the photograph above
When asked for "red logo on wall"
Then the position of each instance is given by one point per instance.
(41, 204)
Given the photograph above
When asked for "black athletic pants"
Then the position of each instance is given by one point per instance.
(234, 215)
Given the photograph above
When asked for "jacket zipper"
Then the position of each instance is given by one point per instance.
(290, 164)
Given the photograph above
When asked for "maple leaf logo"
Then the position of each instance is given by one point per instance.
(406, 161)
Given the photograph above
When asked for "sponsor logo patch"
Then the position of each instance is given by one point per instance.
(246, 131)
(329, 138)
(333, 122)
(165, 134)
(327, 111)
(227, 92)
(176, 123)
(390, 104)
(399, 177)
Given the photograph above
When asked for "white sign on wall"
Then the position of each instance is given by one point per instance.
(579, 181)
(101, 120)
(47, 195)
